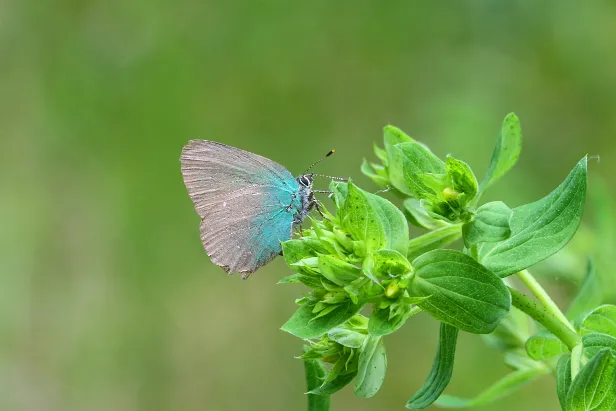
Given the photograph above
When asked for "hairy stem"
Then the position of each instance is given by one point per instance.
(545, 317)
(543, 297)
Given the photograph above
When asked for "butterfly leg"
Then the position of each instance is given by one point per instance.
(299, 225)
(319, 207)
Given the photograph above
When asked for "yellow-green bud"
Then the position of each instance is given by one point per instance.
(449, 194)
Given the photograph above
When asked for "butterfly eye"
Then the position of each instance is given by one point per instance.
(305, 181)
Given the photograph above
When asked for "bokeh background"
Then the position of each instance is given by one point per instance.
(107, 300)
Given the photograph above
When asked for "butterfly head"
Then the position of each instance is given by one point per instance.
(305, 181)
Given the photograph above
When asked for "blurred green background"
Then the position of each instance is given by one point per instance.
(107, 299)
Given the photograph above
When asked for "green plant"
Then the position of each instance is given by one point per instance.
(361, 256)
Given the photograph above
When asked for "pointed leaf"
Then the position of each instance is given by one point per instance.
(374, 221)
(375, 173)
(391, 136)
(337, 271)
(339, 193)
(304, 323)
(462, 177)
(338, 383)
(346, 337)
(563, 378)
(308, 280)
(594, 388)
(407, 163)
(506, 152)
(419, 217)
(296, 250)
(442, 369)
(539, 229)
(381, 324)
(381, 154)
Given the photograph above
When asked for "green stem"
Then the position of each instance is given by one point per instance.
(546, 318)
(576, 359)
(438, 238)
(543, 297)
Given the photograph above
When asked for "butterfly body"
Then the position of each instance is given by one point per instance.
(248, 204)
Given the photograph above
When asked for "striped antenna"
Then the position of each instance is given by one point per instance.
(318, 161)
(331, 177)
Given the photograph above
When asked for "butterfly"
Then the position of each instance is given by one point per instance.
(248, 204)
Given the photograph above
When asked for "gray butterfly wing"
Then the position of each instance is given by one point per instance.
(247, 203)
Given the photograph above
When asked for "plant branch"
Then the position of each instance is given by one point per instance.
(546, 318)
(543, 297)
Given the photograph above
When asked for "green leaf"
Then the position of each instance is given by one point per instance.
(382, 154)
(337, 271)
(374, 221)
(506, 152)
(308, 280)
(539, 229)
(407, 163)
(435, 183)
(375, 172)
(371, 368)
(599, 340)
(392, 136)
(419, 217)
(390, 263)
(394, 223)
(346, 337)
(462, 292)
(594, 388)
(442, 369)
(544, 345)
(589, 296)
(338, 383)
(290, 279)
(439, 238)
(304, 323)
(490, 224)
(361, 219)
(596, 341)
(462, 177)
(601, 320)
(307, 266)
(381, 323)
(498, 390)
(296, 250)
(314, 376)
(339, 192)
(563, 378)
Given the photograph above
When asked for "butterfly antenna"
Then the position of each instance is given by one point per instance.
(331, 177)
(321, 159)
